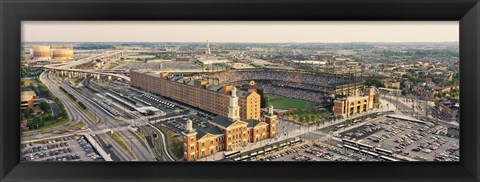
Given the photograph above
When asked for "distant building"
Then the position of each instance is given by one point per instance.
(324, 57)
(447, 90)
(227, 133)
(390, 91)
(447, 108)
(204, 50)
(183, 58)
(392, 85)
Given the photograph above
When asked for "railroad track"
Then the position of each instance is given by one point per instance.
(156, 143)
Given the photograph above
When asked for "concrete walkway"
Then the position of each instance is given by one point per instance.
(97, 147)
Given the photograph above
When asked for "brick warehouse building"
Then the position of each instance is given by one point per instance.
(227, 133)
(198, 93)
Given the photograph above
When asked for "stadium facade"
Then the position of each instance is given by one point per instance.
(321, 88)
(351, 105)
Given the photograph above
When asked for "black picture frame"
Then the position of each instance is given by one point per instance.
(15, 11)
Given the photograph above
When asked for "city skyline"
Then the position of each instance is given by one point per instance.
(177, 91)
(241, 32)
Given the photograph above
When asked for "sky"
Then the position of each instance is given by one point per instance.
(240, 31)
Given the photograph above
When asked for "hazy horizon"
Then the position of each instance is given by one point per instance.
(241, 31)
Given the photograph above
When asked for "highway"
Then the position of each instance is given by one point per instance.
(104, 120)
(138, 145)
(70, 65)
(76, 113)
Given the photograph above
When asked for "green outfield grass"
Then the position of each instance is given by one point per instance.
(285, 102)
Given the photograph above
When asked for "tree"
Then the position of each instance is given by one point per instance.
(404, 92)
(302, 119)
(28, 113)
(374, 82)
(44, 106)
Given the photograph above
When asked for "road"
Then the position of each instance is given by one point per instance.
(135, 143)
(138, 145)
(70, 66)
(77, 114)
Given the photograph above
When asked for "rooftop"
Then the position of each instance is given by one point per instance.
(252, 123)
(212, 130)
(222, 121)
(27, 95)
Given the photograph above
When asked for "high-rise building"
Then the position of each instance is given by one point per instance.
(204, 50)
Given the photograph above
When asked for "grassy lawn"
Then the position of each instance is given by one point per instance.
(46, 120)
(309, 116)
(285, 102)
(54, 123)
(122, 144)
(79, 125)
(90, 115)
(140, 133)
(174, 144)
(27, 82)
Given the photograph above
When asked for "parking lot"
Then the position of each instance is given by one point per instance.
(315, 152)
(71, 148)
(178, 125)
(415, 140)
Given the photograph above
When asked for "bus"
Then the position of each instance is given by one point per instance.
(349, 142)
(297, 140)
(389, 158)
(233, 154)
(384, 152)
(372, 154)
(351, 148)
(339, 127)
(365, 146)
(268, 149)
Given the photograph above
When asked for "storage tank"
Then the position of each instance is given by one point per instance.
(41, 52)
(63, 54)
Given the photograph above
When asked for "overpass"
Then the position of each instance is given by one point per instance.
(69, 70)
